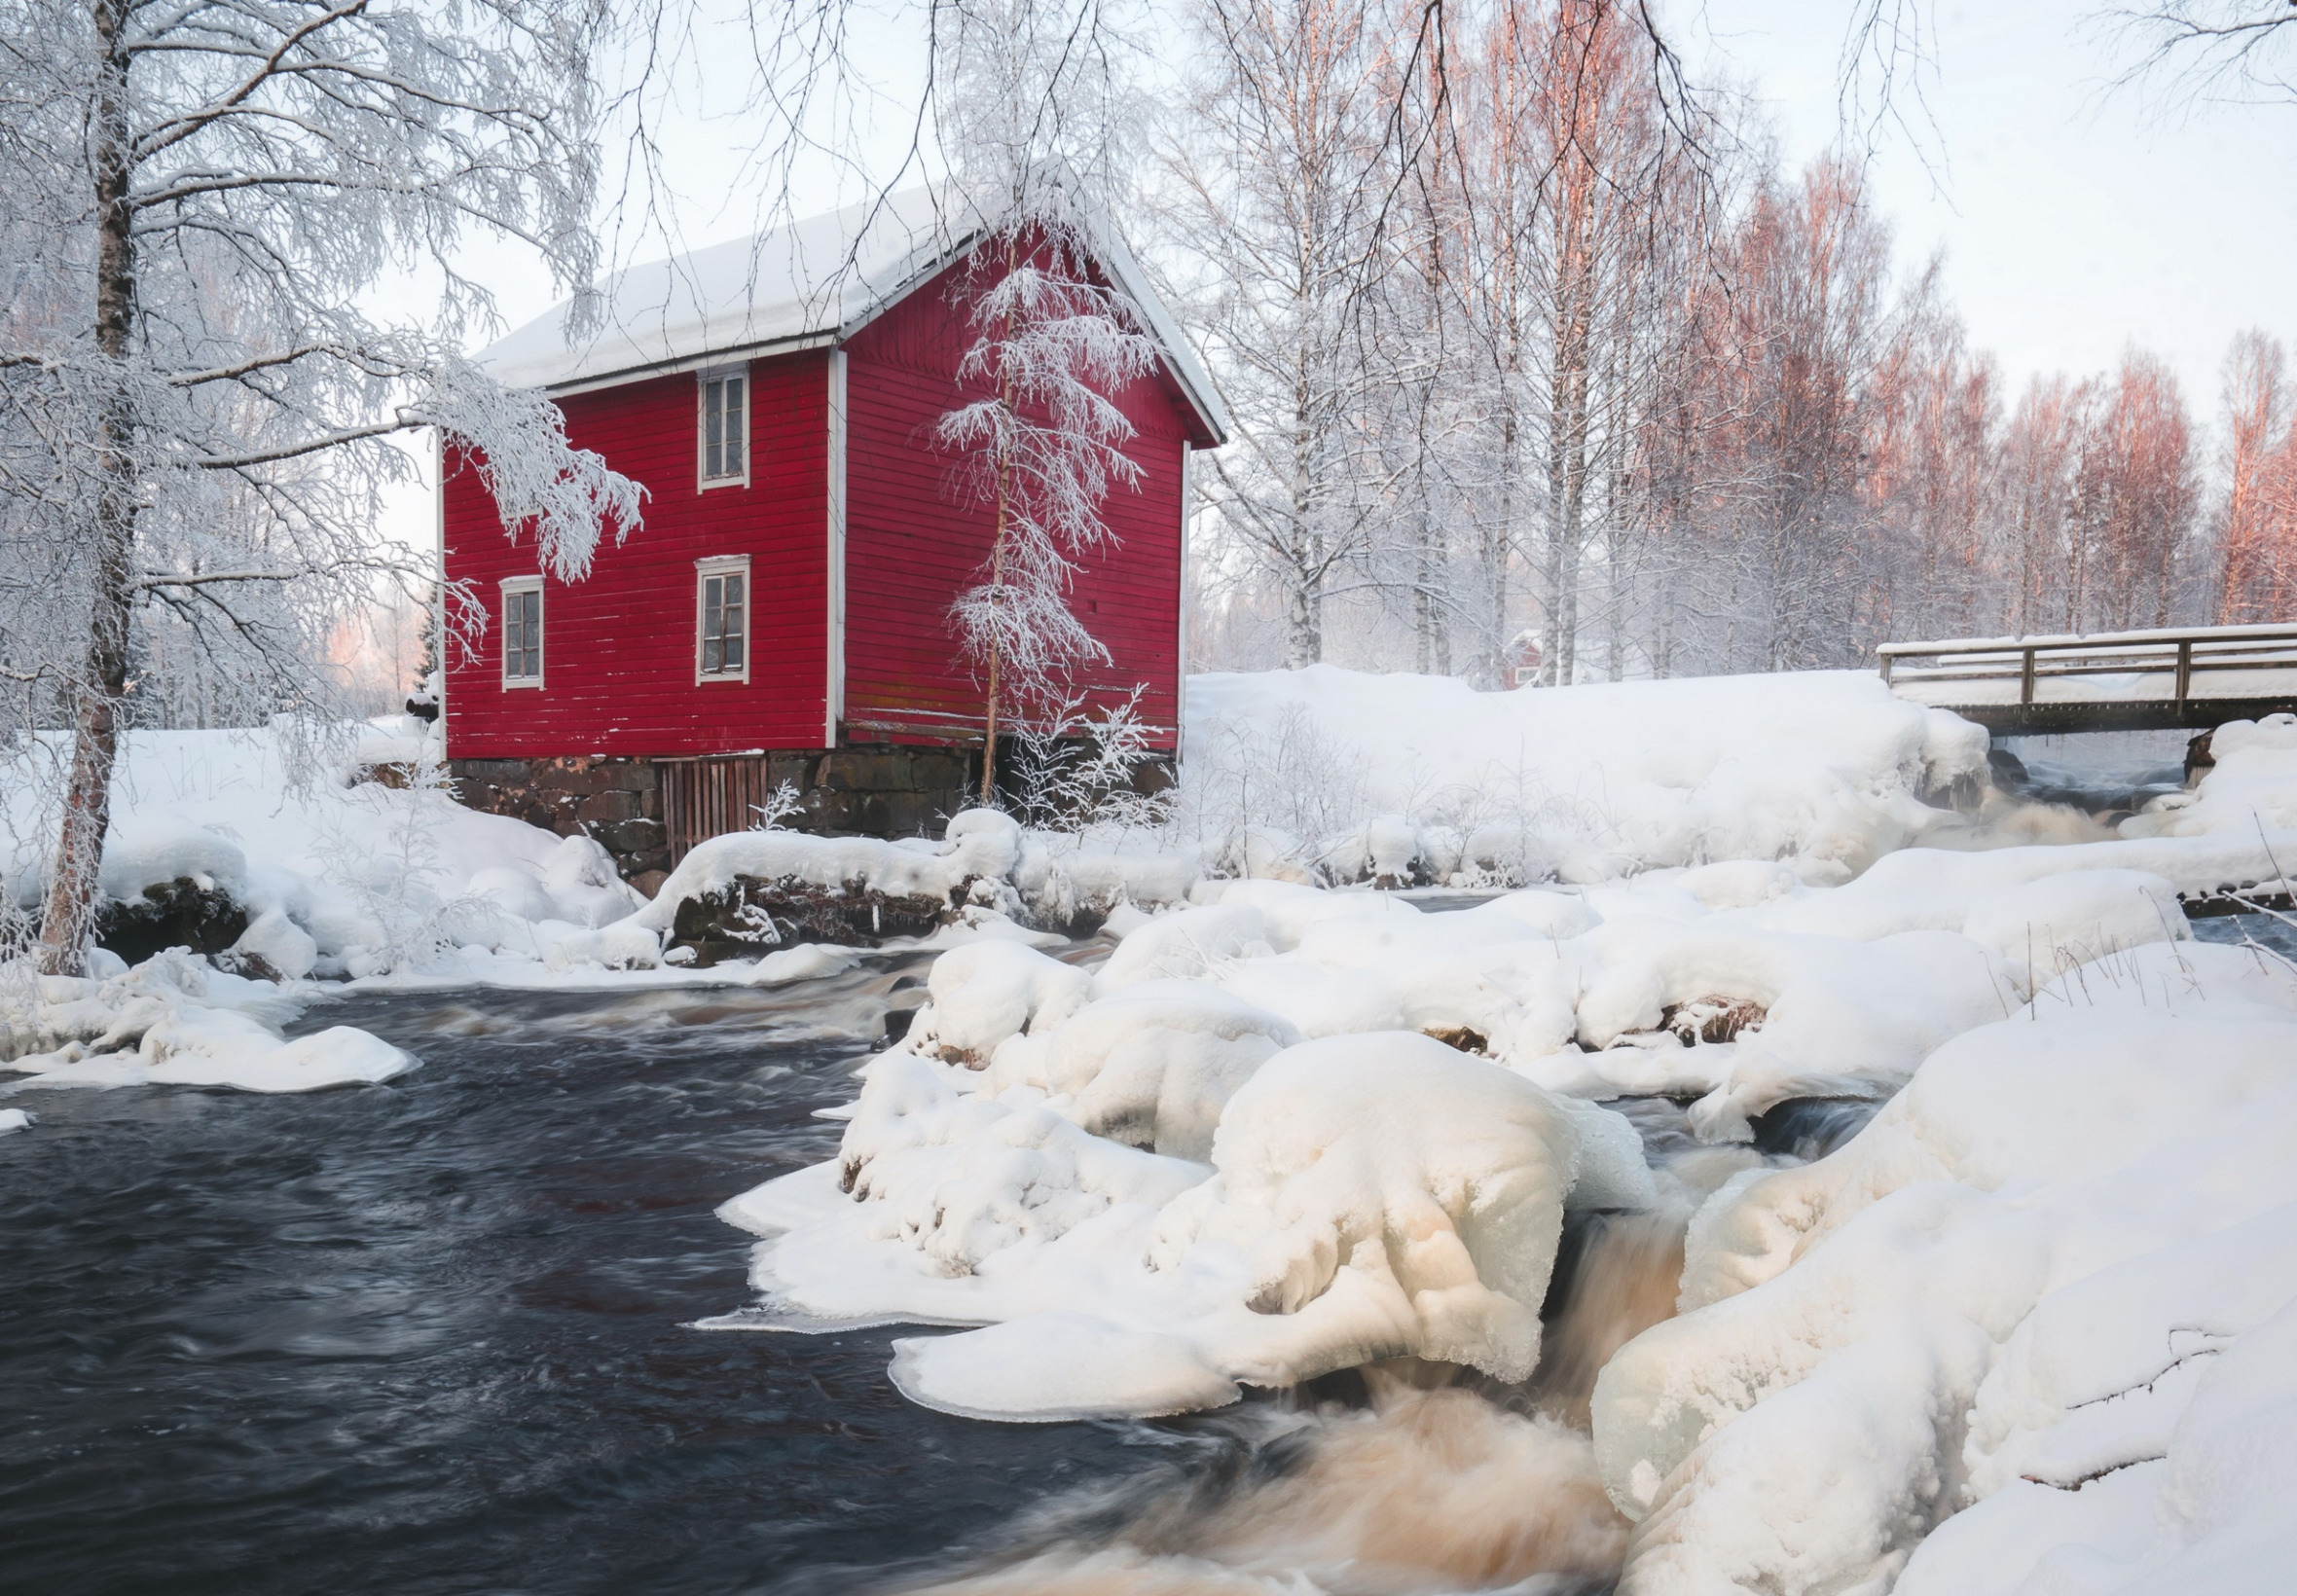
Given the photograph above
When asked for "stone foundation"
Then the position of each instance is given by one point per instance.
(883, 791)
(627, 805)
(617, 802)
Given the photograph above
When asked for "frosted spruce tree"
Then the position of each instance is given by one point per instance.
(1027, 116)
(195, 409)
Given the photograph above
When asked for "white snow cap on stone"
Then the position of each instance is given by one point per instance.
(175, 1021)
(1800, 1426)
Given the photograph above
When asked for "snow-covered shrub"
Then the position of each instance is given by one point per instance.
(1079, 770)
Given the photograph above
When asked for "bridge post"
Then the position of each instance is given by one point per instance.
(2184, 667)
(2026, 678)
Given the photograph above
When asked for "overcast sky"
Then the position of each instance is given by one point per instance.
(2076, 217)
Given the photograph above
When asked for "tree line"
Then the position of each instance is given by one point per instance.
(1544, 367)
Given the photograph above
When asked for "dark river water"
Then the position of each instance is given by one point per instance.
(430, 1337)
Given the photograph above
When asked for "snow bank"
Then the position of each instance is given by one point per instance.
(2009, 1276)
(1402, 777)
(175, 1021)
(334, 880)
(2252, 786)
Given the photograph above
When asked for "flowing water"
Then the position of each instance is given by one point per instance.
(427, 1336)
(431, 1337)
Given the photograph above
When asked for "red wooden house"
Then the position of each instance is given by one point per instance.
(783, 613)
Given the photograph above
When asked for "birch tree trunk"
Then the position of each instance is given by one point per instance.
(69, 912)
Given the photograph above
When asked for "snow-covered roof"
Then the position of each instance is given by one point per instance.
(812, 282)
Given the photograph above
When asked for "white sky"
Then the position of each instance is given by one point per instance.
(2076, 217)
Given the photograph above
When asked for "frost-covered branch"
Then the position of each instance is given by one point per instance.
(196, 417)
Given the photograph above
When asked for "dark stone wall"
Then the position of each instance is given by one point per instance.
(878, 791)
(883, 791)
(616, 801)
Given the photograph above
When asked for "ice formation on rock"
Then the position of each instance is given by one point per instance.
(1870, 1342)
(175, 1021)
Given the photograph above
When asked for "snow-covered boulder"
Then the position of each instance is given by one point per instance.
(285, 949)
(744, 893)
(174, 1020)
(986, 992)
(1389, 1196)
(1370, 1197)
(1803, 1424)
(1153, 1065)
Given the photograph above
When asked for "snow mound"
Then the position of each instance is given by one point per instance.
(1190, 943)
(1802, 1424)
(1412, 778)
(175, 1021)
(1154, 1065)
(962, 1179)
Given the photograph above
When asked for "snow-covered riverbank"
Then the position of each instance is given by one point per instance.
(2023, 1332)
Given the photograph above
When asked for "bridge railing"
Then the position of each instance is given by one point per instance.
(2178, 663)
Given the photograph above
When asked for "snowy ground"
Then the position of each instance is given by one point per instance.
(2030, 1330)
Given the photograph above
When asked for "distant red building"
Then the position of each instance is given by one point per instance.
(783, 613)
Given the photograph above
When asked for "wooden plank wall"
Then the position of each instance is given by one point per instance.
(705, 798)
(619, 646)
(913, 544)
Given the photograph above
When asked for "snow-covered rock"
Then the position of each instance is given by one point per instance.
(175, 1021)
(1807, 1419)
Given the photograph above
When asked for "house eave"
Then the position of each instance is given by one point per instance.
(793, 343)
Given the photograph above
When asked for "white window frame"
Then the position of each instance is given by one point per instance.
(517, 585)
(703, 479)
(729, 565)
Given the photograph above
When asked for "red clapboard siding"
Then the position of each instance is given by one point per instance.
(618, 665)
(912, 546)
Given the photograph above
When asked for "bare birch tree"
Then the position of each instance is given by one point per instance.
(194, 412)
(1277, 205)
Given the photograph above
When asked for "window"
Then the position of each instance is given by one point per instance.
(725, 428)
(522, 631)
(722, 599)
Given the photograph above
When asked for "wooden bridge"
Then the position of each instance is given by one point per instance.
(2193, 677)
